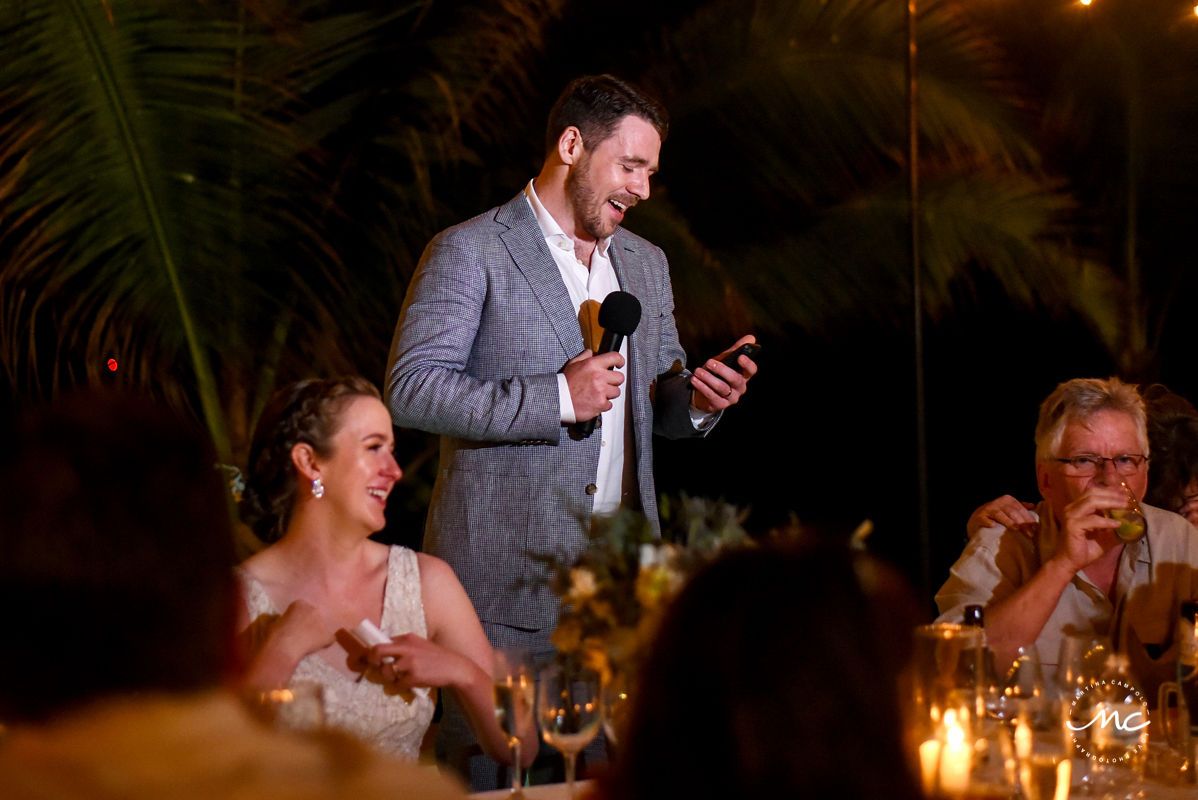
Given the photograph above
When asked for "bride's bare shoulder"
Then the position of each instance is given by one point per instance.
(266, 567)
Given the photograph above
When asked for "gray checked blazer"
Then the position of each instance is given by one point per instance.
(486, 326)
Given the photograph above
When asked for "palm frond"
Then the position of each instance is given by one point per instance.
(159, 165)
(794, 115)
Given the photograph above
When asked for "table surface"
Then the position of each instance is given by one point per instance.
(548, 791)
(1151, 790)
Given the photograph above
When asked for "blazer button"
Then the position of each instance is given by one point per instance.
(591, 488)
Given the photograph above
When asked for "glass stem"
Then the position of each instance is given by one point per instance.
(515, 745)
(570, 775)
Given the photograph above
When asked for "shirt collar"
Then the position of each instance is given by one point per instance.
(553, 232)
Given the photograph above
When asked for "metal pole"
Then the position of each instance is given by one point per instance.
(921, 448)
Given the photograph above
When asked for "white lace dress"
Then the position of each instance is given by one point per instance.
(380, 717)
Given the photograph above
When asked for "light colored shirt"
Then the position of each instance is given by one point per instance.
(1154, 576)
(589, 287)
(197, 747)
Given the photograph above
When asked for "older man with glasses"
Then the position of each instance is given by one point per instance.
(1071, 573)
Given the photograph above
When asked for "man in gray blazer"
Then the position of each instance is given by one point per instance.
(494, 351)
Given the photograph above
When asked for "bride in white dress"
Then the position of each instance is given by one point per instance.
(321, 468)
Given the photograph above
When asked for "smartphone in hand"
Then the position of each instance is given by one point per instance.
(750, 349)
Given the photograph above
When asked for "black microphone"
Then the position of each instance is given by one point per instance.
(619, 315)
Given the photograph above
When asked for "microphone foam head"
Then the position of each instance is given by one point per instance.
(620, 313)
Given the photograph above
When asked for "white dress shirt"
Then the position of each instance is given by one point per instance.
(589, 286)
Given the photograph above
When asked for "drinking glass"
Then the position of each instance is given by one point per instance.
(1010, 688)
(1132, 526)
(299, 707)
(512, 686)
(1043, 753)
(1177, 706)
(1071, 666)
(947, 667)
(568, 709)
(616, 702)
(1079, 663)
(994, 770)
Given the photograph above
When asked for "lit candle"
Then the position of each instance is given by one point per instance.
(929, 762)
(1064, 776)
(1023, 739)
(955, 757)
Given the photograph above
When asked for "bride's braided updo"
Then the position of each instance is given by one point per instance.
(305, 412)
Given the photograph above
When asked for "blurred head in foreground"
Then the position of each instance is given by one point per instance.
(115, 557)
(775, 673)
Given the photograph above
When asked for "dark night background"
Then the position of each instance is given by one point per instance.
(781, 203)
(827, 431)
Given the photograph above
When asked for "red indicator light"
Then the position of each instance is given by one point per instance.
(112, 365)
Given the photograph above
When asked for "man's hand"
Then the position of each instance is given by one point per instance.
(593, 382)
(1086, 535)
(1189, 509)
(717, 386)
(1007, 512)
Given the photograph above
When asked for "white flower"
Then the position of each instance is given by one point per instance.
(582, 584)
(651, 556)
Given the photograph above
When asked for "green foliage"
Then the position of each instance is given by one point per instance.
(223, 195)
(614, 591)
(701, 525)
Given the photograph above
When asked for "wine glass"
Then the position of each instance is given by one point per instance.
(1131, 518)
(946, 664)
(616, 702)
(299, 707)
(512, 688)
(1080, 662)
(1020, 685)
(568, 711)
(1043, 753)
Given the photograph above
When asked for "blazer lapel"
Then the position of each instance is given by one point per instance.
(629, 264)
(630, 270)
(526, 245)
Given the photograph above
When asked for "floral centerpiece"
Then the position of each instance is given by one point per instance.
(613, 593)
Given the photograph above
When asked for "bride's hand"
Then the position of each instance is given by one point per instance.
(418, 662)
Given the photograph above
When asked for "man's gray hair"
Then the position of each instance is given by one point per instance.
(1078, 400)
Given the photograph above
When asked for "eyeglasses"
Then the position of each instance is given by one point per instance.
(1086, 465)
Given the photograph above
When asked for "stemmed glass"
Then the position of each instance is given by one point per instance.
(299, 707)
(1079, 663)
(615, 706)
(1042, 753)
(513, 690)
(568, 710)
(1020, 685)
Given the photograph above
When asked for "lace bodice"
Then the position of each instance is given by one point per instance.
(377, 716)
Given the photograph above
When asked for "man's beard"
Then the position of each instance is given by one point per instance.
(588, 209)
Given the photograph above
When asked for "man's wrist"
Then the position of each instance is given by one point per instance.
(1061, 569)
(701, 419)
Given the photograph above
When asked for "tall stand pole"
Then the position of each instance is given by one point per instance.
(921, 445)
